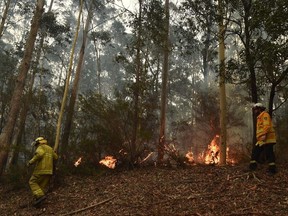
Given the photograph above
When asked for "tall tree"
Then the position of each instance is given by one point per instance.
(73, 97)
(29, 95)
(4, 17)
(136, 91)
(65, 95)
(223, 105)
(15, 103)
(166, 49)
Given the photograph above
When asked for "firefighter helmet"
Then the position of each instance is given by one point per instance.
(258, 105)
(39, 140)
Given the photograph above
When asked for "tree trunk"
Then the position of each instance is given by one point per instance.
(98, 68)
(64, 99)
(223, 109)
(72, 101)
(207, 43)
(250, 60)
(4, 17)
(137, 89)
(7, 132)
(27, 100)
(161, 144)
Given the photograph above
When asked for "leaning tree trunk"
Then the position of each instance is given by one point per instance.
(64, 99)
(223, 110)
(161, 144)
(72, 101)
(7, 132)
(13, 158)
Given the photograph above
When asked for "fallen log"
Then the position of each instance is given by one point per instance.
(88, 207)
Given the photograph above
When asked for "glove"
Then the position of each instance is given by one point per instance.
(260, 143)
(261, 140)
(28, 164)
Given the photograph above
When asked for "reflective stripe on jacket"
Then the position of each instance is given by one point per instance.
(265, 127)
(43, 157)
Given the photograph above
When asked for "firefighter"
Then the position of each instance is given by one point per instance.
(43, 159)
(266, 139)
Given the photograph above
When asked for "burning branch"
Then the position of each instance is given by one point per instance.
(146, 157)
(109, 161)
(76, 164)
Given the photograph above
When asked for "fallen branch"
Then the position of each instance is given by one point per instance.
(255, 177)
(88, 207)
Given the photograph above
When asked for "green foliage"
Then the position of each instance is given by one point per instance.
(108, 128)
(103, 37)
(50, 26)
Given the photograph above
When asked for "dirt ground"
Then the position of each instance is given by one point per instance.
(201, 190)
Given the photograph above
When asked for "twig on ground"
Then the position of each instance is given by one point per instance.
(88, 207)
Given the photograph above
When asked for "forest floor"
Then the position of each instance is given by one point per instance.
(200, 190)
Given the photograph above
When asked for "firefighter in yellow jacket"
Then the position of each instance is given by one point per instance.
(43, 159)
(266, 139)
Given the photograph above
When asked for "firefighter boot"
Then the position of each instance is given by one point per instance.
(252, 166)
(272, 169)
(39, 200)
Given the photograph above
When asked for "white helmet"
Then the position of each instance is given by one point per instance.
(258, 105)
(39, 140)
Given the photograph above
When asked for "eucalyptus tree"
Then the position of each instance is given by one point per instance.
(4, 17)
(136, 92)
(35, 98)
(74, 90)
(100, 39)
(69, 72)
(8, 63)
(198, 20)
(259, 26)
(251, 23)
(165, 73)
(273, 44)
(197, 44)
(222, 80)
(12, 44)
(140, 60)
(15, 103)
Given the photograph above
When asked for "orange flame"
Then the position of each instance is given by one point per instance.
(109, 161)
(76, 164)
(190, 157)
(212, 156)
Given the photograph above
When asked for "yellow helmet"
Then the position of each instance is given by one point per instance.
(39, 140)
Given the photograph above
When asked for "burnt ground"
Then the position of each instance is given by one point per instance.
(196, 190)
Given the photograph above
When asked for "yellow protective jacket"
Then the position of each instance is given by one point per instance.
(265, 128)
(44, 158)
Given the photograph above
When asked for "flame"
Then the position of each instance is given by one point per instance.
(171, 149)
(190, 157)
(76, 164)
(212, 156)
(109, 161)
(146, 157)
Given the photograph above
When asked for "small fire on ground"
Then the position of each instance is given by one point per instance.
(211, 155)
(109, 162)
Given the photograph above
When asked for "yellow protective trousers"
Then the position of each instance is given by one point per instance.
(39, 184)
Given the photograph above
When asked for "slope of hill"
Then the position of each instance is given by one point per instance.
(196, 190)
